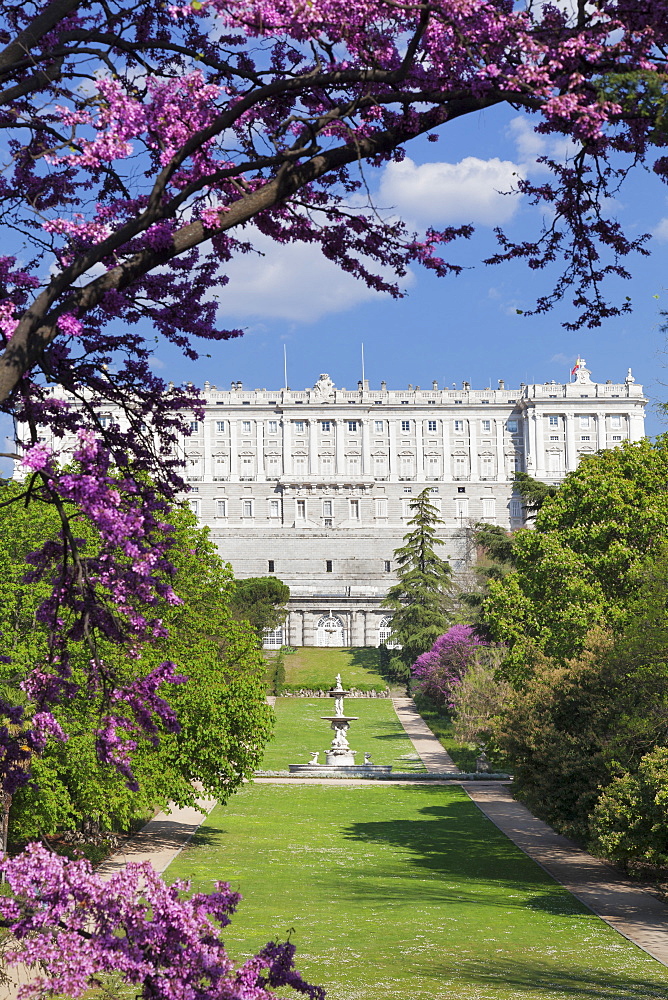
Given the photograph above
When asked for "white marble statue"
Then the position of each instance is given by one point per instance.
(314, 756)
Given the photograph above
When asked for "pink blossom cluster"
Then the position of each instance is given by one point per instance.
(67, 920)
(438, 671)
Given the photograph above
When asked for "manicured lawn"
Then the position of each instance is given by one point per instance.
(407, 893)
(316, 668)
(300, 730)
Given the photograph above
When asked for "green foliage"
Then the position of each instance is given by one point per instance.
(586, 735)
(583, 563)
(479, 699)
(222, 710)
(421, 600)
(629, 821)
(534, 493)
(642, 94)
(260, 600)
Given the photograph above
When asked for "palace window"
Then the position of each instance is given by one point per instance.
(274, 508)
(352, 425)
(246, 508)
(488, 508)
(354, 510)
(379, 426)
(431, 425)
(327, 508)
(299, 426)
(301, 510)
(553, 421)
(272, 426)
(459, 425)
(405, 425)
(381, 507)
(616, 422)
(220, 426)
(325, 425)
(245, 426)
(221, 508)
(584, 422)
(485, 425)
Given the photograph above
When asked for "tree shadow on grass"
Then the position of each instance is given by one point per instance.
(573, 983)
(455, 843)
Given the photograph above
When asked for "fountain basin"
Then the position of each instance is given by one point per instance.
(340, 770)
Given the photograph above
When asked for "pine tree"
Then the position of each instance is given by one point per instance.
(421, 599)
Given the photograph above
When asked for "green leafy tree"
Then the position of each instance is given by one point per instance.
(585, 559)
(534, 493)
(224, 719)
(421, 600)
(261, 601)
(494, 548)
(588, 736)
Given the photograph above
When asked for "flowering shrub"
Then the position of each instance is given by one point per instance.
(79, 926)
(438, 671)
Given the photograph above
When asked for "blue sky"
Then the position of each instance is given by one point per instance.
(449, 329)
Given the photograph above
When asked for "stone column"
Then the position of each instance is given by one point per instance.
(310, 622)
(525, 438)
(537, 421)
(234, 451)
(447, 451)
(365, 432)
(419, 451)
(259, 447)
(339, 444)
(473, 449)
(569, 436)
(207, 462)
(287, 446)
(501, 474)
(312, 447)
(636, 427)
(599, 424)
(392, 457)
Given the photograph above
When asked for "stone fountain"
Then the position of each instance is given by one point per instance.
(339, 757)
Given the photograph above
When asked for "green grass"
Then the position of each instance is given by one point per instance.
(407, 893)
(464, 755)
(300, 730)
(315, 668)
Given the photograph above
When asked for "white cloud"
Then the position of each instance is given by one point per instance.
(292, 281)
(661, 231)
(531, 144)
(451, 193)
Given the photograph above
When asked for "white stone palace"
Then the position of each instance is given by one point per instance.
(315, 485)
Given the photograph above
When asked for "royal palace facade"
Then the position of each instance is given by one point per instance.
(315, 485)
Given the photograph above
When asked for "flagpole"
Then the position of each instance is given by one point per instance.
(285, 366)
(362, 365)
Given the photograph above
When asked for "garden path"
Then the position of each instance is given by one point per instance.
(427, 746)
